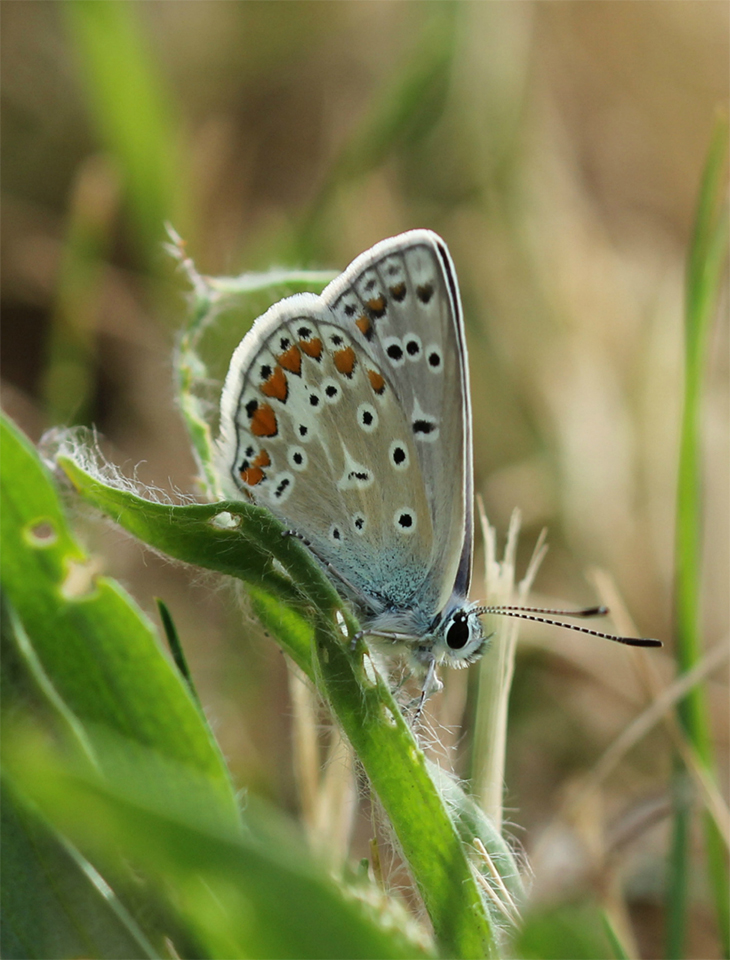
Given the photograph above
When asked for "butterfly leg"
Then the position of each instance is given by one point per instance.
(386, 634)
(431, 683)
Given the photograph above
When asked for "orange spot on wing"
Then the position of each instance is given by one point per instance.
(377, 381)
(252, 475)
(263, 422)
(312, 348)
(399, 291)
(345, 361)
(276, 385)
(377, 306)
(364, 325)
(291, 360)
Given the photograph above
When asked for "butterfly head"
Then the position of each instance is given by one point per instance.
(459, 636)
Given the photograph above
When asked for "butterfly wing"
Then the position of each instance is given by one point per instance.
(401, 298)
(364, 452)
(311, 429)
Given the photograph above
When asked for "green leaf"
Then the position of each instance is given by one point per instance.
(472, 823)
(84, 639)
(230, 537)
(255, 893)
(572, 930)
(54, 904)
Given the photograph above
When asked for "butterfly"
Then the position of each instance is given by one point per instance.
(348, 416)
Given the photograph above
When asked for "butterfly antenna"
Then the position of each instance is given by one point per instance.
(537, 614)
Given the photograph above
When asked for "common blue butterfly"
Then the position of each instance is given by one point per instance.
(348, 416)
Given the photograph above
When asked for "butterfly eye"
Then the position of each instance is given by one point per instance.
(457, 635)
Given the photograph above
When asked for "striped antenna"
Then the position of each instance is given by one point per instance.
(538, 615)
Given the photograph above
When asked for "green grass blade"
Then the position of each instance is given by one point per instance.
(68, 381)
(707, 261)
(132, 114)
(398, 771)
(679, 867)
(173, 641)
(705, 267)
(619, 951)
(407, 107)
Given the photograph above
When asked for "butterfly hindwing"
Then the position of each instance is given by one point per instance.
(313, 431)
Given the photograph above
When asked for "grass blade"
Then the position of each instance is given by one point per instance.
(132, 114)
(705, 267)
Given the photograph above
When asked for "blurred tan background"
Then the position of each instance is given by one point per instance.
(557, 147)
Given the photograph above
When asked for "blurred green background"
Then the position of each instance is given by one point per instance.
(557, 147)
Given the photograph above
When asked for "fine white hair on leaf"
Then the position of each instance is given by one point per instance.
(82, 446)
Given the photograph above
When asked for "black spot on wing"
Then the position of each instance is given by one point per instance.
(423, 426)
(425, 292)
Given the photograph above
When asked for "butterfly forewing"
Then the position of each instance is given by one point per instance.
(401, 299)
(345, 416)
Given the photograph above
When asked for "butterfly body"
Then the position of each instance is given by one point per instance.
(347, 415)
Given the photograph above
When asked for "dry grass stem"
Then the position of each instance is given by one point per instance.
(305, 742)
(513, 909)
(328, 797)
(497, 667)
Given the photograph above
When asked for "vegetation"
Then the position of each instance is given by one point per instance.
(217, 803)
